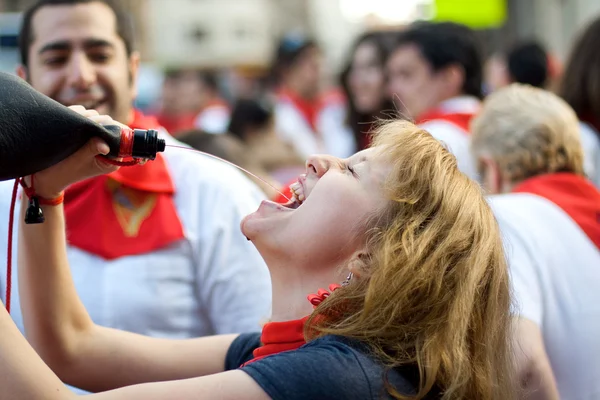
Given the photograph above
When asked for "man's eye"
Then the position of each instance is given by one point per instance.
(54, 61)
(351, 170)
(99, 58)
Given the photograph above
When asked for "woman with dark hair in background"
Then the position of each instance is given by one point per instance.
(306, 116)
(580, 87)
(363, 81)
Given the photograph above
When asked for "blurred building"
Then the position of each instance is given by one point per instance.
(243, 33)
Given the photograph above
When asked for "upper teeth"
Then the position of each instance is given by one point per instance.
(298, 192)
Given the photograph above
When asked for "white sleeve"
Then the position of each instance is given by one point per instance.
(213, 120)
(292, 128)
(339, 139)
(524, 273)
(234, 285)
(457, 142)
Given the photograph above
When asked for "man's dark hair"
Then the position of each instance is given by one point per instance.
(446, 43)
(124, 24)
(528, 63)
(580, 85)
(249, 114)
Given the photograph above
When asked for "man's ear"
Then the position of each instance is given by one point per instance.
(134, 69)
(453, 77)
(22, 72)
(491, 175)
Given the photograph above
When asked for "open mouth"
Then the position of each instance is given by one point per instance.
(293, 204)
(298, 194)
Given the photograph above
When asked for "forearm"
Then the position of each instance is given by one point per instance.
(54, 318)
(23, 375)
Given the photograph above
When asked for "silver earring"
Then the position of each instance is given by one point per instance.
(347, 281)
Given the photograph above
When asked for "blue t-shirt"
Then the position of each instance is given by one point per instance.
(331, 367)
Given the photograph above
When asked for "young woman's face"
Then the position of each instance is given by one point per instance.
(329, 226)
(366, 80)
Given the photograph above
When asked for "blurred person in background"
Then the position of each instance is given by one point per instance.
(179, 100)
(305, 116)
(527, 145)
(191, 99)
(233, 149)
(435, 75)
(527, 63)
(364, 84)
(253, 122)
(580, 87)
(156, 248)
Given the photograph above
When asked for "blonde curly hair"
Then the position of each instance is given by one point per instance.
(433, 293)
(528, 132)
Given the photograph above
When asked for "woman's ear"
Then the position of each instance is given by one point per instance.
(358, 263)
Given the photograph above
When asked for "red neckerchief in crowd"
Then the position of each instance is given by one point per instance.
(128, 212)
(459, 119)
(574, 194)
(309, 109)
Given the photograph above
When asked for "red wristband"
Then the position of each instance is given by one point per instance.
(30, 192)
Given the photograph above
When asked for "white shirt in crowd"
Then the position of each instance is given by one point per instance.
(213, 119)
(555, 273)
(212, 282)
(455, 138)
(590, 140)
(332, 137)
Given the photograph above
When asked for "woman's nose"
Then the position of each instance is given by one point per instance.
(319, 165)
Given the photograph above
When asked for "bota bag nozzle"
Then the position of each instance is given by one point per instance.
(37, 132)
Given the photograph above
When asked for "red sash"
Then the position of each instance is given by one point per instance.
(128, 212)
(308, 108)
(574, 194)
(461, 120)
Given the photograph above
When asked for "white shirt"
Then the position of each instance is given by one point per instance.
(590, 140)
(555, 272)
(214, 281)
(213, 119)
(454, 138)
(332, 136)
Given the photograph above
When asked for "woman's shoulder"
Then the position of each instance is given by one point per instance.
(328, 367)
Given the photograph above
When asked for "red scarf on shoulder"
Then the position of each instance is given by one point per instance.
(128, 212)
(574, 194)
(461, 120)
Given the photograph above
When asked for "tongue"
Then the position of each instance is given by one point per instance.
(293, 204)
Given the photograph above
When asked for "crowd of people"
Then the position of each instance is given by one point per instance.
(442, 240)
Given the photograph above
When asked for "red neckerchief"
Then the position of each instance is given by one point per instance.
(461, 120)
(308, 108)
(128, 212)
(574, 194)
(278, 337)
(175, 124)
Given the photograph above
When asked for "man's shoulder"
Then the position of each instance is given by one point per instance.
(522, 207)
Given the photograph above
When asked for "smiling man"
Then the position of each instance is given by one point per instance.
(155, 249)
